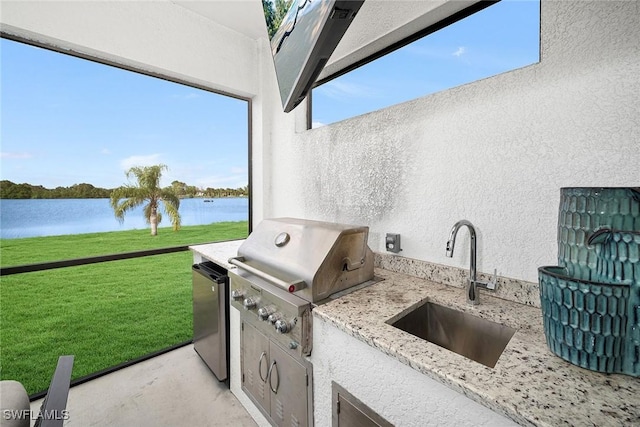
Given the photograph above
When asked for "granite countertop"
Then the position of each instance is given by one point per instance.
(529, 384)
(219, 252)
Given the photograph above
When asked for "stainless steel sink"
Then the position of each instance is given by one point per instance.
(472, 337)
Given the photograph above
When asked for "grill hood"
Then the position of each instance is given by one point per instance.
(315, 259)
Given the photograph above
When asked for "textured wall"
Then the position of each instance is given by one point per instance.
(495, 152)
(393, 390)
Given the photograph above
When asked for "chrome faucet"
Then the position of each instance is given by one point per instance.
(473, 296)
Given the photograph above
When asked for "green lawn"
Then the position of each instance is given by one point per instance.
(105, 313)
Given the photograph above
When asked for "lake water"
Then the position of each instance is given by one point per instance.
(50, 217)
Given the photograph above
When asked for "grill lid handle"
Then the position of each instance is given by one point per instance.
(287, 286)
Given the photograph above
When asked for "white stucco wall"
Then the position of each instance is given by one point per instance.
(153, 36)
(495, 152)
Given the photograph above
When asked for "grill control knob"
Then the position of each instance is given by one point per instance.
(274, 317)
(265, 312)
(282, 326)
(237, 294)
(249, 303)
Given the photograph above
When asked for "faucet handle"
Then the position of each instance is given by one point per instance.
(490, 285)
(493, 281)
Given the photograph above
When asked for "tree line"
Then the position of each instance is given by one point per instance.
(11, 190)
(274, 13)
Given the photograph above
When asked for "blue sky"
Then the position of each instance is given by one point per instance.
(67, 120)
(501, 37)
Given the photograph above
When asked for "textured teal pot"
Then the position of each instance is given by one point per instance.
(618, 256)
(591, 301)
(590, 324)
(585, 211)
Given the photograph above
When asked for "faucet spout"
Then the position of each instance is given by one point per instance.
(473, 284)
(451, 243)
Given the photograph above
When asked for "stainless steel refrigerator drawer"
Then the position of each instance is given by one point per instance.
(210, 317)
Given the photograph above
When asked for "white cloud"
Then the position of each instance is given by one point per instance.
(461, 51)
(148, 160)
(105, 151)
(317, 125)
(7, 155)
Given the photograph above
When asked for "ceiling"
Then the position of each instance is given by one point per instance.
(378, 25)
(243, 16)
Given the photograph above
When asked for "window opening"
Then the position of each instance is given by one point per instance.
(72, 128)
(500, 38)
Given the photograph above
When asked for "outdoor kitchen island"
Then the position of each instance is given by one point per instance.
(401, 377)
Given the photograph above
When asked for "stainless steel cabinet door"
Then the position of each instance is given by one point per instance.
(255, 365)
(288, 384)
(348, 411)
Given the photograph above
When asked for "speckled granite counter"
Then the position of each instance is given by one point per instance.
(219, 252)
(528, 384)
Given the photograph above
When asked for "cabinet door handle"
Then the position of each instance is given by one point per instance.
(262, 356)
(273, 365)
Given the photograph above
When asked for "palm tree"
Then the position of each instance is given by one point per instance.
(148, 189)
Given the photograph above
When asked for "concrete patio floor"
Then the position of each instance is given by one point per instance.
(174, 389)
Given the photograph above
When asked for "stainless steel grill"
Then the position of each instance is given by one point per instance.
(312, 259)
(285, 267)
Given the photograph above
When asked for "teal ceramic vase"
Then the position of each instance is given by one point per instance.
(585, 210)
(591, 301)
(585, 322)
(617, 256)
